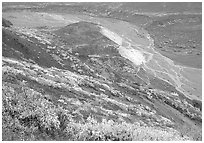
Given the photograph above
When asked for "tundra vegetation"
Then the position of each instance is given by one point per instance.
(92, 72)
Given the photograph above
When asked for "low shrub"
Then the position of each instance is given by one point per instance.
(27, 115)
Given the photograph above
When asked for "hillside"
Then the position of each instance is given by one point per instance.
(92, 79)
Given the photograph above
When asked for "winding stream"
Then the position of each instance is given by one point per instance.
(141, 51)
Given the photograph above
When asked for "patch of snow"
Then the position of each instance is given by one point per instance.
(166, 120)
(50, 47)
(111, 35)
(125, 48)
(133, 55)
(174, 94)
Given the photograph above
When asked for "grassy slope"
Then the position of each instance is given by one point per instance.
(52, 91)
(48, 93)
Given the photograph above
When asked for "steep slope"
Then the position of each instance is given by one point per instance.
(58, 77)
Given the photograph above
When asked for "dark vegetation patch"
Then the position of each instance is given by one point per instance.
(6, 23)
(17, 47)
(162, 85)
(85, 38)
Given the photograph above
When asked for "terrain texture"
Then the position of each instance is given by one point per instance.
(101, 71)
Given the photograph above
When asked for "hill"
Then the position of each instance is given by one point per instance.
(101, 71)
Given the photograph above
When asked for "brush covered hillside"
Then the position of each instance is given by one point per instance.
(75, 83)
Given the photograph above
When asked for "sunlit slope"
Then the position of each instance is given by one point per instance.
(114, 75)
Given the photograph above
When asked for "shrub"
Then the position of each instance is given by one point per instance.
(27, 115)
(114, 131)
